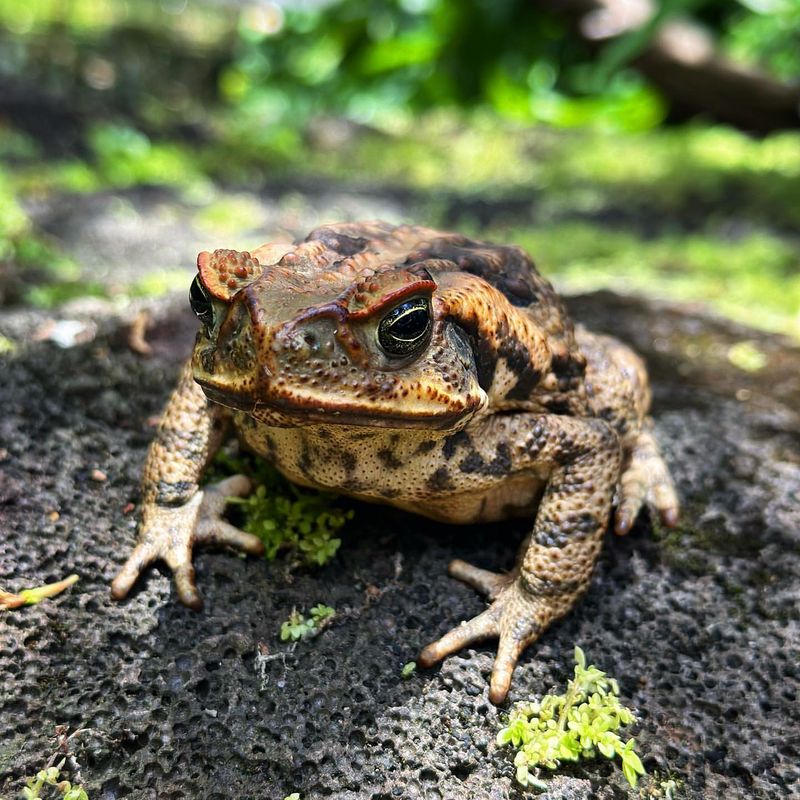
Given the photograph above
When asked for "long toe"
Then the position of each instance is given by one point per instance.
(508, 653)
(179, 561)
(142, 556)
(478, 629)
(218, 531)
(482, 580)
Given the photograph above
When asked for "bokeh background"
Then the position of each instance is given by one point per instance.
(631, 144)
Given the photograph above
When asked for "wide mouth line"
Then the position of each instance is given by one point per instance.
(306, 411)
(238, 401)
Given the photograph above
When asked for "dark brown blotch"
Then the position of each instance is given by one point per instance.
(499, 466)
(452, 443)
(569, 365)
(174, 493)
(440, 480)
(304, 461)
(551, 587)
(348, 461)
(483, 352)
(549, 533)
(340, 243)
(388, 459)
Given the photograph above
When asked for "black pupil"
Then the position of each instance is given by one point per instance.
(403, 328)
(199, 301)
(410, 325)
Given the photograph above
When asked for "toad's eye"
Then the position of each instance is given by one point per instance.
(201, 303)
(405, 328)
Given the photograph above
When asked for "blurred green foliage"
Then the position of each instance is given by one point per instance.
(370, 59)
(767, 33)
(487, 112)
(278, 64)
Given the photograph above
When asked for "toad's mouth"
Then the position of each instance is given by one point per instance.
(300, 411)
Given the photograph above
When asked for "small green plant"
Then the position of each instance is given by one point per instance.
(30, 597)
(668, 788)
(50, 777)
(292, 796)
(572, 726)
(299, 627)
(408, 670)
(299, 522)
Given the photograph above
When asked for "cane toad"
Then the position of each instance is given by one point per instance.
(424, 370)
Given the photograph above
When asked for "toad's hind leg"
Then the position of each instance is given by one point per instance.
(618, 390)
(645, 479)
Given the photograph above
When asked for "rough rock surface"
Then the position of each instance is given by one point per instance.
(700, 625)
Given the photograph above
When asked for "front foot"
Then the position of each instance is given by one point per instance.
(516, 617)
(170, 532)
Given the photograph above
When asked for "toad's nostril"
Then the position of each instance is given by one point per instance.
(302, 341)
(319, 343)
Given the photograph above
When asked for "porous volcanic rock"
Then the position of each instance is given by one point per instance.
(699, 624)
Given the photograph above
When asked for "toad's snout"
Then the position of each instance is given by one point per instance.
(313, 339)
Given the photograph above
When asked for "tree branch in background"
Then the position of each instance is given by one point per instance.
(679, 57)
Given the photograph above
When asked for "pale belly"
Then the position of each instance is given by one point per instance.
(383, 467)
(514, 496)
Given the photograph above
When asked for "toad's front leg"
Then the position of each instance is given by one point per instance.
(583, 457)
(176, 513)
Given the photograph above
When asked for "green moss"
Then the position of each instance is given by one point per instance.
(52, 777)
(7, 346)
(678, 546)
(43, 178)
(55, 293)
(14, 222)
(687, 547)
(298, 523)
(739, 197)
(158, 283)
(35, 269)
(125, 157)
(408, 670)
(89, 20)
(17, 145)
(580, 724)
(747, 357)
(298, 627)
(707, 172)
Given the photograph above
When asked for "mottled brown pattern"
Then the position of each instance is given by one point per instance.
(422, 369)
